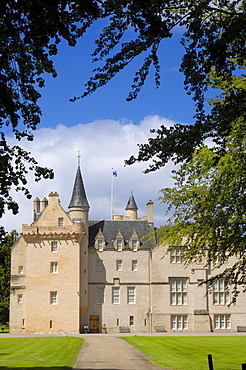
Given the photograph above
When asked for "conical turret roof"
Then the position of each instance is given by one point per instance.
(131, 204)
(78, 197)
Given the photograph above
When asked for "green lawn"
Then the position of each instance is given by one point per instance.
(190, 353)
(37, 353)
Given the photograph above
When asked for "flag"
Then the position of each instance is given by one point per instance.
(114, 173)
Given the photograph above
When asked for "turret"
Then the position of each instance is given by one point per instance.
(79, 206)
(131, 208)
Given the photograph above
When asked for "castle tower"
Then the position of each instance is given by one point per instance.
(78, 212)
(131, 208)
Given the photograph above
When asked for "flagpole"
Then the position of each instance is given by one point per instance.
(114, 174)
(112, 195)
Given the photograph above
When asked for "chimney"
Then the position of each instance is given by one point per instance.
(36, 208)
(150, 213)
(44, 203)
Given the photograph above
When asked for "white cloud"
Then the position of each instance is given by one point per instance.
(103, 144)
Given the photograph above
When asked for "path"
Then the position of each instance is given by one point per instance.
(111, 353)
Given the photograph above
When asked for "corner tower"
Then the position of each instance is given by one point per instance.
(79, 206)
(131, 208)
(78, 213)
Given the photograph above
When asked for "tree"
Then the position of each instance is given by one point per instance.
(30, 33)
(208, 202)
(6, 242)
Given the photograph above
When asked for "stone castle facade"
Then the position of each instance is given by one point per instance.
(69, 273)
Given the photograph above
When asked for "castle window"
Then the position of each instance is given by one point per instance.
(119, 245)
(178, 288)
(131, 320)
(53, 297)
(20, 270)
(119, 265)
(134, 245)
(54, 247)
(179, 322)
(177, 255)
(54, 267)
(131, 295)
(115, 295)
(100, 245)
(99, 265)
(220, 293)
(20, 298)
(222, 321)
(134, 265)
(60, 221)
(100, 295)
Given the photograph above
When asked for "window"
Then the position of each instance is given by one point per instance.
(222, 322)
(134, 245)
(131, 295)
(60, 221)
(220, 293)
(118, 265)
(119, 245)
(53, 297)
(115, 295)
(20, 270)
(51, 324)
(99, 265)
(134, 265)
(131, 320)
(20, 298)
(54, 247)
(177, 255)
(179, 322)
(100, 245)
(117, 322)
(178, 289)
(54, 267)
(100, 295)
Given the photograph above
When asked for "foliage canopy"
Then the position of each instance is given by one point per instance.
(30, 33)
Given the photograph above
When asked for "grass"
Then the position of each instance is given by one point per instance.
(38, 353)
(190, 353)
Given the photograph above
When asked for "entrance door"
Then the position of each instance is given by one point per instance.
(94, 324)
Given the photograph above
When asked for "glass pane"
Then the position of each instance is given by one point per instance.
(216, 298)
(184, 300)
(185, 322)
(173, 322)
(178, 298)
(228, 322)
(179, 320)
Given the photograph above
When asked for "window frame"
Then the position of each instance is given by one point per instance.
(220, 320)
(54, 267)
(134, 265)
(53, 298)
(119, 265)
(115, 295)
(221, 294)
(178, 291)
(100, 296)
(54, 246)
(131, 295)
(179, 322)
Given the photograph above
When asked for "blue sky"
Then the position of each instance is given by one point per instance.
(105, 129)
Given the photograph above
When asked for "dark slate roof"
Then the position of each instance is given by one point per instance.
(78, 197)
(110, 229)
(131, 204)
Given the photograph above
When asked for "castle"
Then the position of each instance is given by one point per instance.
(70, 274)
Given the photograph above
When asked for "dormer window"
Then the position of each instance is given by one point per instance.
(119, 245)
(99, 241)
(134, 242)
(119, 242)
(134, 245)
(100, 245)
